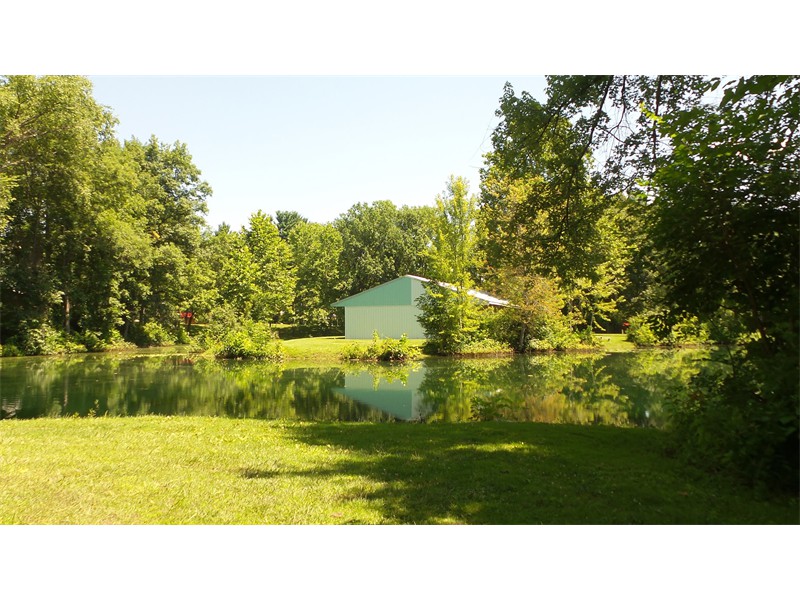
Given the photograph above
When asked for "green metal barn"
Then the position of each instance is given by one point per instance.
(391, 309)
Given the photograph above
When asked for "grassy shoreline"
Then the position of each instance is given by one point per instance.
(199, 470)
(326, 348)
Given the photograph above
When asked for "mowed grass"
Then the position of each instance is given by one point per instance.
(324, 348)
(194, 470)
(328, 348)
(614, 342)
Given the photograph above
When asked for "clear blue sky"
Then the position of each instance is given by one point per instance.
(316, 145)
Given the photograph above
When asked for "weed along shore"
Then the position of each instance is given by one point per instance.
(169, 470)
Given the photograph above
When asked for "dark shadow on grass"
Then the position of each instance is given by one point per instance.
(523, 473)
(258, 473)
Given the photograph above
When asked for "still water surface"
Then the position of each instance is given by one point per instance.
(616, 389)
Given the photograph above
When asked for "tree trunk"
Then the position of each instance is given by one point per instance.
(67, 308)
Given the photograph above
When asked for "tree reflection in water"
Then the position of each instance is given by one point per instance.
(617, 389)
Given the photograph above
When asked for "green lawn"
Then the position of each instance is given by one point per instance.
(323, 348)
(155, 470)
(614, 342)
(330, 347)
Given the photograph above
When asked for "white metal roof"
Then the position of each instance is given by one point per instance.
(491, 300)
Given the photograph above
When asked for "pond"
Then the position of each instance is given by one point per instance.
(617, 389)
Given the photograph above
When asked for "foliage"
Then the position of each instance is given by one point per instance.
(450, 318)
(660, 329)
(35, 338)
(449, 314)
(248, 339)
(725, 225)
(547, 216)
(251, 271)
(92, 342)
(454, 253)
(316, 250)
(155, 334)
(275, 278)
(613, 117)
(555, 335)
(745, 423)
(534, 319)
(700, 201)
(725, 222)
(381, 242)
(382, 349)
(286, 221)
(641, 333)
(97, 236)
(484, 347)
(10, 349)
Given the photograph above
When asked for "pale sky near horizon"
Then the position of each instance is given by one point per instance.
(316, 145)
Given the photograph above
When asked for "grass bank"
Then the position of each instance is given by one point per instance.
(614, 342)
(160, 470)
(327, 348)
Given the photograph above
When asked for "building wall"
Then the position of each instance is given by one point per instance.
(389, 321)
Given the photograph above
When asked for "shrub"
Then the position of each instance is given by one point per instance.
(10, 349)
(744, 422)
(154, 334)
(248, 340)
(92, 342)
(182, 336)
(640, 332)
(484, 348)
(658, 330)
(386, 349)
(554, 335)
(450, 318)
(36, 338)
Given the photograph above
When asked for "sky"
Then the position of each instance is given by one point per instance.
(316, 145)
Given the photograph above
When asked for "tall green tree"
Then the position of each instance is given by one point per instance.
(547, 215)
(275, 278)
(450, 316)
(612, 117)
(316, 249)
(286, 220)
(173, 205)
(96, 237)
(381, 242)
(51, 131)
(174, 193)
(725, 221)
(230, 259)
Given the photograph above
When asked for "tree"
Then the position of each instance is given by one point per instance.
(95, 236)
(286, 221)
(275, 279)
(51, 131)
(450, 316)
(534, 319)
(612, 122)
(175, 196)
(547, 216)
(315, 250)
(725, 219)
(229, 258)
(381, 242)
